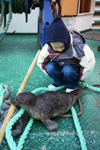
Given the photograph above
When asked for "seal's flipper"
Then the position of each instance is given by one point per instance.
(50, 125)
(17, 128)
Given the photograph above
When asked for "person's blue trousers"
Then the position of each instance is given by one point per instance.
(67, 75)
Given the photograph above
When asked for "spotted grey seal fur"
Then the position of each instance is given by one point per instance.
(47, 105)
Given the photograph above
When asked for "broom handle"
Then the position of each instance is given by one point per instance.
(13, 107)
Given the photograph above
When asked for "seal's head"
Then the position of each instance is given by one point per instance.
(24, 98)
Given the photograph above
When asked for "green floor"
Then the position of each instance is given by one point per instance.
(16, 54)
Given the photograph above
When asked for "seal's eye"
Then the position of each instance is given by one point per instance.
(17, 99)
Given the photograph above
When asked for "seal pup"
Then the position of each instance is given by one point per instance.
(47, 105)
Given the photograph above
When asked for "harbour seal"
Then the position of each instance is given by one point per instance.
(47, 105)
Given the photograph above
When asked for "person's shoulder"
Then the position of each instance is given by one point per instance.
(46, 47)
(44, 50)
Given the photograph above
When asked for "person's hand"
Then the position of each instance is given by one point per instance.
(53, 0)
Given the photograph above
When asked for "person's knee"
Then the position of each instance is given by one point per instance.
(67, 70)
(50, 67)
